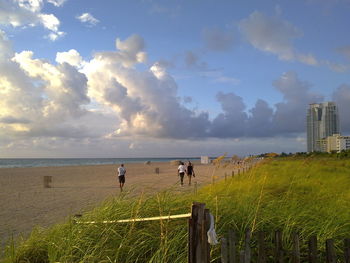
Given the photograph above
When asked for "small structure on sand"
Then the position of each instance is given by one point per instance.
(205, 160)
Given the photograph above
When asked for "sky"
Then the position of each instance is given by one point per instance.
(148, 78)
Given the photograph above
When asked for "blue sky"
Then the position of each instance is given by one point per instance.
(85, 78)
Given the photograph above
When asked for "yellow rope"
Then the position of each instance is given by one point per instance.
(137, 219)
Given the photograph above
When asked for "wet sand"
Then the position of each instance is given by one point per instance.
(25, 203)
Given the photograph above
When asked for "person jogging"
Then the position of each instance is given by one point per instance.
(121, 176)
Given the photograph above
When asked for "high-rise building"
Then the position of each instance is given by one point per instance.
(322, 121)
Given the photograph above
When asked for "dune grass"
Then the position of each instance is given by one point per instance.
(308, 195)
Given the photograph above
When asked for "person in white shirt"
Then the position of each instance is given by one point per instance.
(181, 172)
(121, 176)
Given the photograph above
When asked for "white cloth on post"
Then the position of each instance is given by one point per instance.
(212, 238)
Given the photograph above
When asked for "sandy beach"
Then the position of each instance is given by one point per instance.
(25, 203)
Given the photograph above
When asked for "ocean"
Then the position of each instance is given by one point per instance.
(49, 162)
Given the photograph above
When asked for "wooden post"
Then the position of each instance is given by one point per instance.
(278, 247)
(247, 249)
(224, 254)
(261, 247)
(330, 251)
(241, 256)
(296, 249)
(198, 246)
(232, 246)
(156, 170)
(313, 254)
(347, 250)
(233, 174)
(47, 180)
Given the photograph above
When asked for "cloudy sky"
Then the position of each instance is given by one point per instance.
(148, 78)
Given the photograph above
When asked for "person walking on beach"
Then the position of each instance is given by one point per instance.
(181, 170)
(190, 172)
(121, 176)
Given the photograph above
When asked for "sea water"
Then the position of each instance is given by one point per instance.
(48, 162)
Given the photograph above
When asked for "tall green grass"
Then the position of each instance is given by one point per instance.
(311, 196)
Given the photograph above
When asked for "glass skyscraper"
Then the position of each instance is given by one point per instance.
(322, 121)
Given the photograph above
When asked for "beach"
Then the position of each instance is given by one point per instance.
(25, 202)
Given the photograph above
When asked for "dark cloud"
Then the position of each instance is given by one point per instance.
(232, 122)
(290, 114)
(216, 39)
(260, 120)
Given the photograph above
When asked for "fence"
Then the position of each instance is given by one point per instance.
(256, 249)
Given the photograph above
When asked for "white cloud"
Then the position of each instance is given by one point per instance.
(28, 12)
(32, 5)
(71, 57)
(49, 21)
(88, 18)
(57, 2)
(274, 35)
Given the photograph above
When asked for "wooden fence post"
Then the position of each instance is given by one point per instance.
(296, 248)
(224, 254)
(313, 254)
(261, 247)
(233, 174)
(247, 249)
(330, 251)
(232, 246)
(347, 250)
(278, 247)
(198, 246)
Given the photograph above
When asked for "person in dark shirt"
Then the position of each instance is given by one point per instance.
(190, 172)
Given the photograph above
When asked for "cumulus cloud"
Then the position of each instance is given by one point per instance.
(290, 114)
(274, 35)
(28, 12)
(71, 57)
(108, 99)
(146, 101)
(259, 123)
(232, 122)
(216, 39)
(88, 19)
(40, 99)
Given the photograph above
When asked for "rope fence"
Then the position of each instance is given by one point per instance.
(136, 219)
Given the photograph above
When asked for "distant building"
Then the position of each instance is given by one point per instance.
(334, 143)
(322, 121)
